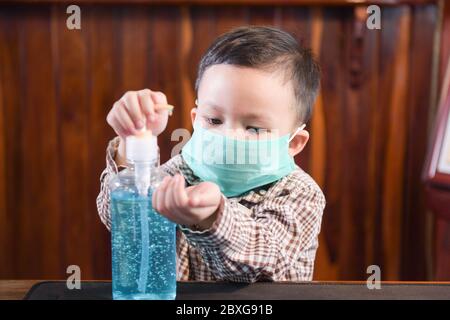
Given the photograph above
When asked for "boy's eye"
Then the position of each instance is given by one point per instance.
(256, 130)
(213, 121)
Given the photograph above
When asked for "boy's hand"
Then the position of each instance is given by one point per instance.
(197, 204)
(136, 109)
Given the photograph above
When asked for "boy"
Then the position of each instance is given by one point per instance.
(249, 224)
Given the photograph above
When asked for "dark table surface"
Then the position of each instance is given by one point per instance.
(256, 291)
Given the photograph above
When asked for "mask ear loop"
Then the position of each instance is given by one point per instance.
(296, 131)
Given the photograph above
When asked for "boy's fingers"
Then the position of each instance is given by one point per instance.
(134, 110)
(146, 103)
(125, 120)
(154, 198)
(193, 196)
(193, 201)
(202, 196)
(201, 201)
(118, 127)
(168, 199)
(173, 211)
(159, 198)
(158, 97)
(179, 192)
(176, 191)
(182, 194)
(175, 206)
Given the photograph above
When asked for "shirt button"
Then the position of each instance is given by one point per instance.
(262, 192)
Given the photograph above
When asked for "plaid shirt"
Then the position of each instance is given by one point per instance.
(268, 234)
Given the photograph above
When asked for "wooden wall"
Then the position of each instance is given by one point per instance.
(369, 129)
(442, 225)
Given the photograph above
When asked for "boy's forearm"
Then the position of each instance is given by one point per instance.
(114, 158)
(267, 247)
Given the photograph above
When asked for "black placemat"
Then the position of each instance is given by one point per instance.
(98, 290)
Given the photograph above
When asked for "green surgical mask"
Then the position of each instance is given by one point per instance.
(237, 165)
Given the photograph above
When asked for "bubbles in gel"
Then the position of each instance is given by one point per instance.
(143, 247)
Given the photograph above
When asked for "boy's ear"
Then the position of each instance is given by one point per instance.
(298, 142)
(193, 115)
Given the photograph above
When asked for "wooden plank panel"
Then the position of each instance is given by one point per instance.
(165, 74)
(103, 89)
(187, 91)
(262, 16)
(135, 35)
(316, 152)
(394, 75)
(442, 245)
(70, 62)
(233, 2)
(6, 219)
(357, 130)
(11, 73)
(39, 213)
(228, 18)
(445, 43)
(297, 21)
(203, 34)
(372, 126)
(326, 149)
(416, 225)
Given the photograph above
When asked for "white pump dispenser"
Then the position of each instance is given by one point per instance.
(142, 152)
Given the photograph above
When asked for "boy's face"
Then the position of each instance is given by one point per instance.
(248, 103)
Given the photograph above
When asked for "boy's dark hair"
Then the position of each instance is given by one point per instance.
(270, 49)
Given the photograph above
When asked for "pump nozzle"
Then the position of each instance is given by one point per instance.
(142, 147)
(142, 150)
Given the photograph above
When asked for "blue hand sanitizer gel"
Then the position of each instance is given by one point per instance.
(143, 241)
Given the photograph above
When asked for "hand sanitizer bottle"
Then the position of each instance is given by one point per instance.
(143, 241)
